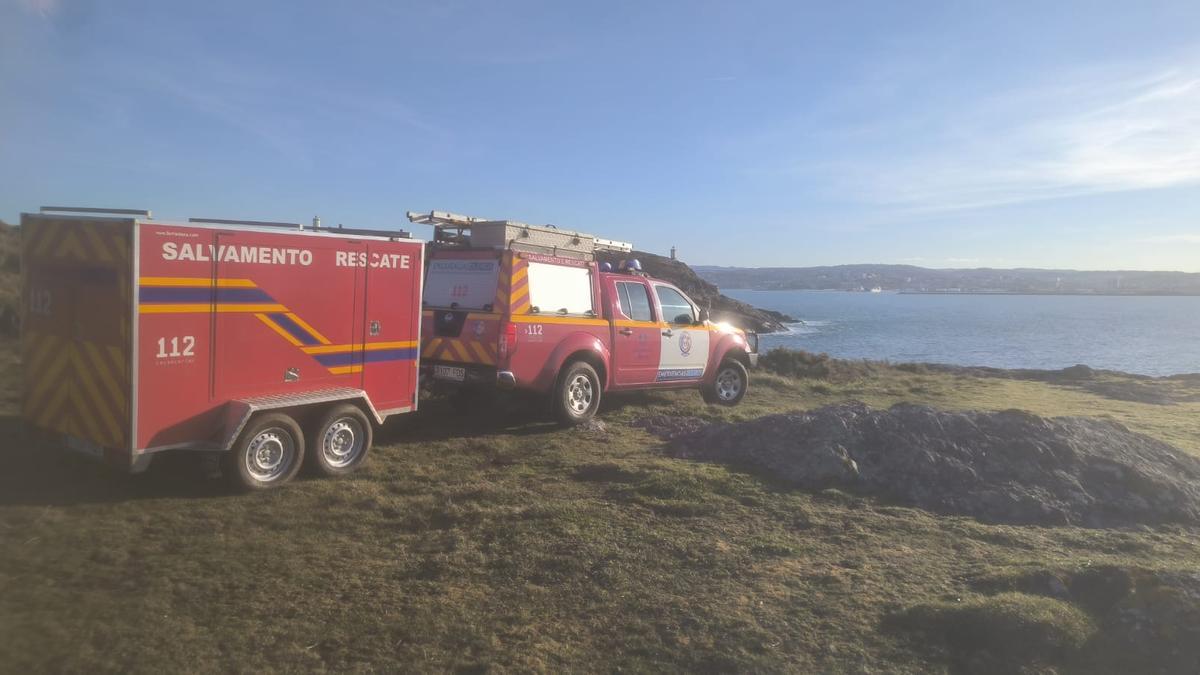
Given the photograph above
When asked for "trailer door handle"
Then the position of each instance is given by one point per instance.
(626, 331)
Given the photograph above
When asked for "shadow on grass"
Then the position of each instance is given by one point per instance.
(42, 474)
(37, 473)
(515, 414)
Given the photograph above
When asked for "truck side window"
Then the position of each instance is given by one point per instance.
(634, 301)
(675, 308)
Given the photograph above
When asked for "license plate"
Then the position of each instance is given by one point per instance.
(450, 373)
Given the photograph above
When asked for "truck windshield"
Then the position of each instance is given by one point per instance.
(469, 283)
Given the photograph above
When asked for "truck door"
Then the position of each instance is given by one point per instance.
(684, 345)
(635, 341)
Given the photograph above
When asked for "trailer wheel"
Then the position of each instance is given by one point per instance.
(729, 386)
(340, 441)
(577, 394)
(267, 454)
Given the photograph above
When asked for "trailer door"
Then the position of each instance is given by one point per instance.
(78, 304)
(393, 313)
(288, 313)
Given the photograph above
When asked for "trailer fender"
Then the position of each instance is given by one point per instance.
(573, 346)
(239, 411)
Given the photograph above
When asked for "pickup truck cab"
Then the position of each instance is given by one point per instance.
(529, 308)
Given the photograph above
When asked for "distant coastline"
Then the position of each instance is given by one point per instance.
(1130, 294)
(976, 281)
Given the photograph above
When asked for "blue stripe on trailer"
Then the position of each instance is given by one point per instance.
(185, 295)
(371, 356)
(294, 329)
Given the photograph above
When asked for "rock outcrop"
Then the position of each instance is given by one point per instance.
(999, 467)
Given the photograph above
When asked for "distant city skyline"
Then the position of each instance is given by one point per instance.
(758, 134)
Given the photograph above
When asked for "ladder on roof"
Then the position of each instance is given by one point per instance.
(453, 229)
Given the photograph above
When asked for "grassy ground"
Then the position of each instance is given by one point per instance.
(506, 543)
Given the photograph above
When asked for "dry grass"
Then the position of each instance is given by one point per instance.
(506, 543)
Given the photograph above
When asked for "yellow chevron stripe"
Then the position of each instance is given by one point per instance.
(518, 274)
(312, 331)
(51, 375)
(90, 393)
(202, 308)
(430, 348)
(48, 235)
(481, 352)
(195, 281)
(47, 415)
(459, 350)
(70, 247)
(120, 244)
(92, 430)
(278, 329)
(103, 373)
(98, 246)
(39, 348)
(119, 363)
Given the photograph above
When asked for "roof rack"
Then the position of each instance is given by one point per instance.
(256, 223)
(145, 213)
(316, 227)
(457, 230)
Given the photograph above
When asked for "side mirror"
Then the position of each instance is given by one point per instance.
(704, 318)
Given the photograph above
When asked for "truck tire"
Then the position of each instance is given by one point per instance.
(729, 386)
(340, 441)
(576, 396)
(266, 455)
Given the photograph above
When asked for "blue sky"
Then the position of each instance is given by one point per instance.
(955, 134)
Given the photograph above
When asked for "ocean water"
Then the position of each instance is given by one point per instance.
(1145, 335)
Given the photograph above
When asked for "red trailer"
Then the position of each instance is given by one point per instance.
(274, 343)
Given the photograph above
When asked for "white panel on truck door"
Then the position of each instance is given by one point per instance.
(684, 352)
(554, 288)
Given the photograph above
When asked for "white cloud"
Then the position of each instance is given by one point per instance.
(1103, 133)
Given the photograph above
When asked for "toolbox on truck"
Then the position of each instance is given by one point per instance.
(143, 335)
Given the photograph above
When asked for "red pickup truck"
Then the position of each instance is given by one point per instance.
(525, 307)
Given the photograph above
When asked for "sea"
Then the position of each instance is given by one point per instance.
(1147, 335)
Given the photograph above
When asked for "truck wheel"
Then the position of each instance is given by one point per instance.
(577, 395)
(730, 384)
(340, 441)
(267, 454)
